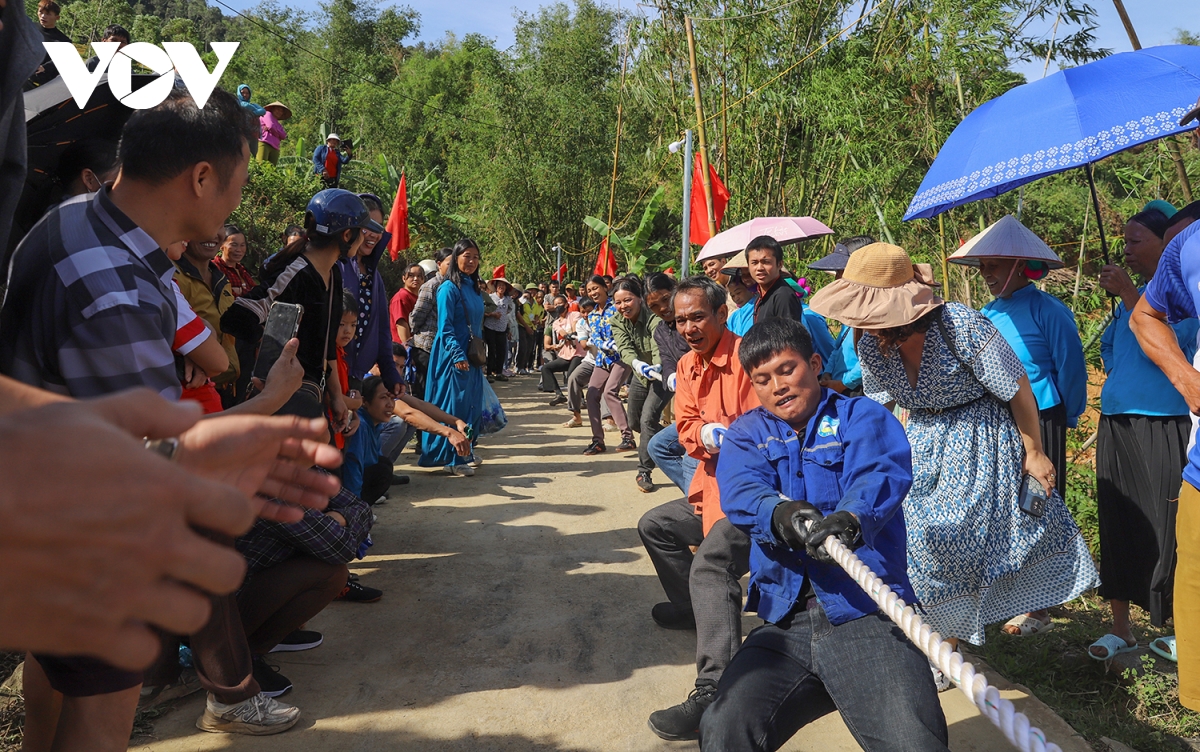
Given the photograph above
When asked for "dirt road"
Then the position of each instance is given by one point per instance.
(516, 616)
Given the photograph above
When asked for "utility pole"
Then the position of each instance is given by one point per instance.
(705, 178)
(612, 191)
(1172, 146)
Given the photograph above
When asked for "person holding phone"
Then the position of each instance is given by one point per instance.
(306, 274)
(973, 556)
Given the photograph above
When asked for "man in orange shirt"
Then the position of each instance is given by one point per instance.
(703, 589)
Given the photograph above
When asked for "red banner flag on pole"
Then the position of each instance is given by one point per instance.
(606, 262)
(720, 198)
(398, 223)
(561, 274)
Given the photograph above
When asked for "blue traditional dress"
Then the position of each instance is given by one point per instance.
(973, 557)
(460, 393)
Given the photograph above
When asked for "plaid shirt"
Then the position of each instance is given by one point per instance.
(317, 535)
(90, 308)
(423, 318)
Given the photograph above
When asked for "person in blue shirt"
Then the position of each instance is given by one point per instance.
(1039, 327)
(1140, 451)
(842, 373)
(1171, 296)
(328, 160)
(744, 291)
(366, 473)
(844, 464)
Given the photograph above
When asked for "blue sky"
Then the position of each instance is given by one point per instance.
(1155, 20)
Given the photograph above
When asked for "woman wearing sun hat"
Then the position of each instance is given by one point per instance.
(271, 131)
(974, 558)
(1040, 328)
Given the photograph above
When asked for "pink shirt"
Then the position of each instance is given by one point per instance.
(564, 326)
(272, 131)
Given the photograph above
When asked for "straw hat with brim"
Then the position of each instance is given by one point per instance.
(735, 264)
(881, 288)
(501, 279)
(1007, 238)
(285, 111)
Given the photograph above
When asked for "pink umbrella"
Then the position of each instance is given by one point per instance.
(785, 230)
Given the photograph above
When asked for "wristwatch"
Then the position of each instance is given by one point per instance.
(168, 448)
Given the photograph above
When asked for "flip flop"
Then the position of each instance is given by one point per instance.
(1113, 646)
(1028, 625)
(1167, 652)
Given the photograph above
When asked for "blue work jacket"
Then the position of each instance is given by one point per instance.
(854, 457)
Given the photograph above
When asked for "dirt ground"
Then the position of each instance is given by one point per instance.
(516, 616)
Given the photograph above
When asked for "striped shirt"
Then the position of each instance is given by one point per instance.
(90, 309)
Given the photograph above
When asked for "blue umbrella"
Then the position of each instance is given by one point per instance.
(1070, 119)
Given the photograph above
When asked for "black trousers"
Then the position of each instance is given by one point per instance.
(1054, 443)
(497, 347)
(558, 365)
(421, 367)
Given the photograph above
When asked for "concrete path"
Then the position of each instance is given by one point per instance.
(515, 617)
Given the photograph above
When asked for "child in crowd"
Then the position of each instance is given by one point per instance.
(345, 335)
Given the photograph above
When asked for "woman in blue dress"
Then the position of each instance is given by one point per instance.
(974, 558)
(454, 384)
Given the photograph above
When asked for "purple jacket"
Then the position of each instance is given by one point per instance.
(372, 343)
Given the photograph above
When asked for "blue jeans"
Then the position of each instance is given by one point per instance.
(667, 453)
(787, 675)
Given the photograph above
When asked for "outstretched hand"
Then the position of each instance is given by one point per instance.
(267, 457)
(106, 530)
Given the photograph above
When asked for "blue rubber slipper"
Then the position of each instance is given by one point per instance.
(1164, 647)
(1112, 645)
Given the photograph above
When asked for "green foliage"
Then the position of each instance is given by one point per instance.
(274, 198)
(637, 247)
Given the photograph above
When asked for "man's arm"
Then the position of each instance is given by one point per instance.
(876, 468)
(426, 417)
(16, 396)
(749, 486)
(1159, 343)
(688, 420)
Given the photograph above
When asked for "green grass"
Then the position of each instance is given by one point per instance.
(1143, 712)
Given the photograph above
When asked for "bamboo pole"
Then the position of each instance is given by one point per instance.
(1172, 146)
(706, 180)
(612, 190)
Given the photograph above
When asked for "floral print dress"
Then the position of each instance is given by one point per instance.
(973, 557)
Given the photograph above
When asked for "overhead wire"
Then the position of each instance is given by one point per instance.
(754, 92)
(376, 84)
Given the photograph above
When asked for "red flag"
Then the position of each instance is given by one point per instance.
(498, 272)
(561, 274)
(398, 223)
(606, 262)
(720, 198)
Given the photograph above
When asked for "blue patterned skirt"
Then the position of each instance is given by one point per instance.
(973, 557)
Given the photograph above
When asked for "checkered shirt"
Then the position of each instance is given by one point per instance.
(317, 535)
(90, 309)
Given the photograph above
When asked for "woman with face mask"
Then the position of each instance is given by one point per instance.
(559, 338)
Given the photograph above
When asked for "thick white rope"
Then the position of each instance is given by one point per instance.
(974, 685)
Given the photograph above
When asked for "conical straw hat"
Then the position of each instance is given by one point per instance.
(881, 288)
(1007, 238)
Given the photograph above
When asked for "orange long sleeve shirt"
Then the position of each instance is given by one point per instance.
(712, 391)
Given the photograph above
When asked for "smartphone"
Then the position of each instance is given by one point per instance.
(283, 321)
(1033, 497)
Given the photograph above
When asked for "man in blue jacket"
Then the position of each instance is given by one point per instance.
(843, 464)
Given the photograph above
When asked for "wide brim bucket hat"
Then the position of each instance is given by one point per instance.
(1008, 239)
(881, 288)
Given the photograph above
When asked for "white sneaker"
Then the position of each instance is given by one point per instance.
(475, 461)
(940, 680)
(258, 716)
(464, 470)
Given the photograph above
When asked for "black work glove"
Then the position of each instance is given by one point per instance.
(841, 525)
(787, 522)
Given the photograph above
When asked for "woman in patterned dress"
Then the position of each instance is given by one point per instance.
(974, 558)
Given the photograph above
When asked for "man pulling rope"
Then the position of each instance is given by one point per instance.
(809, 476)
